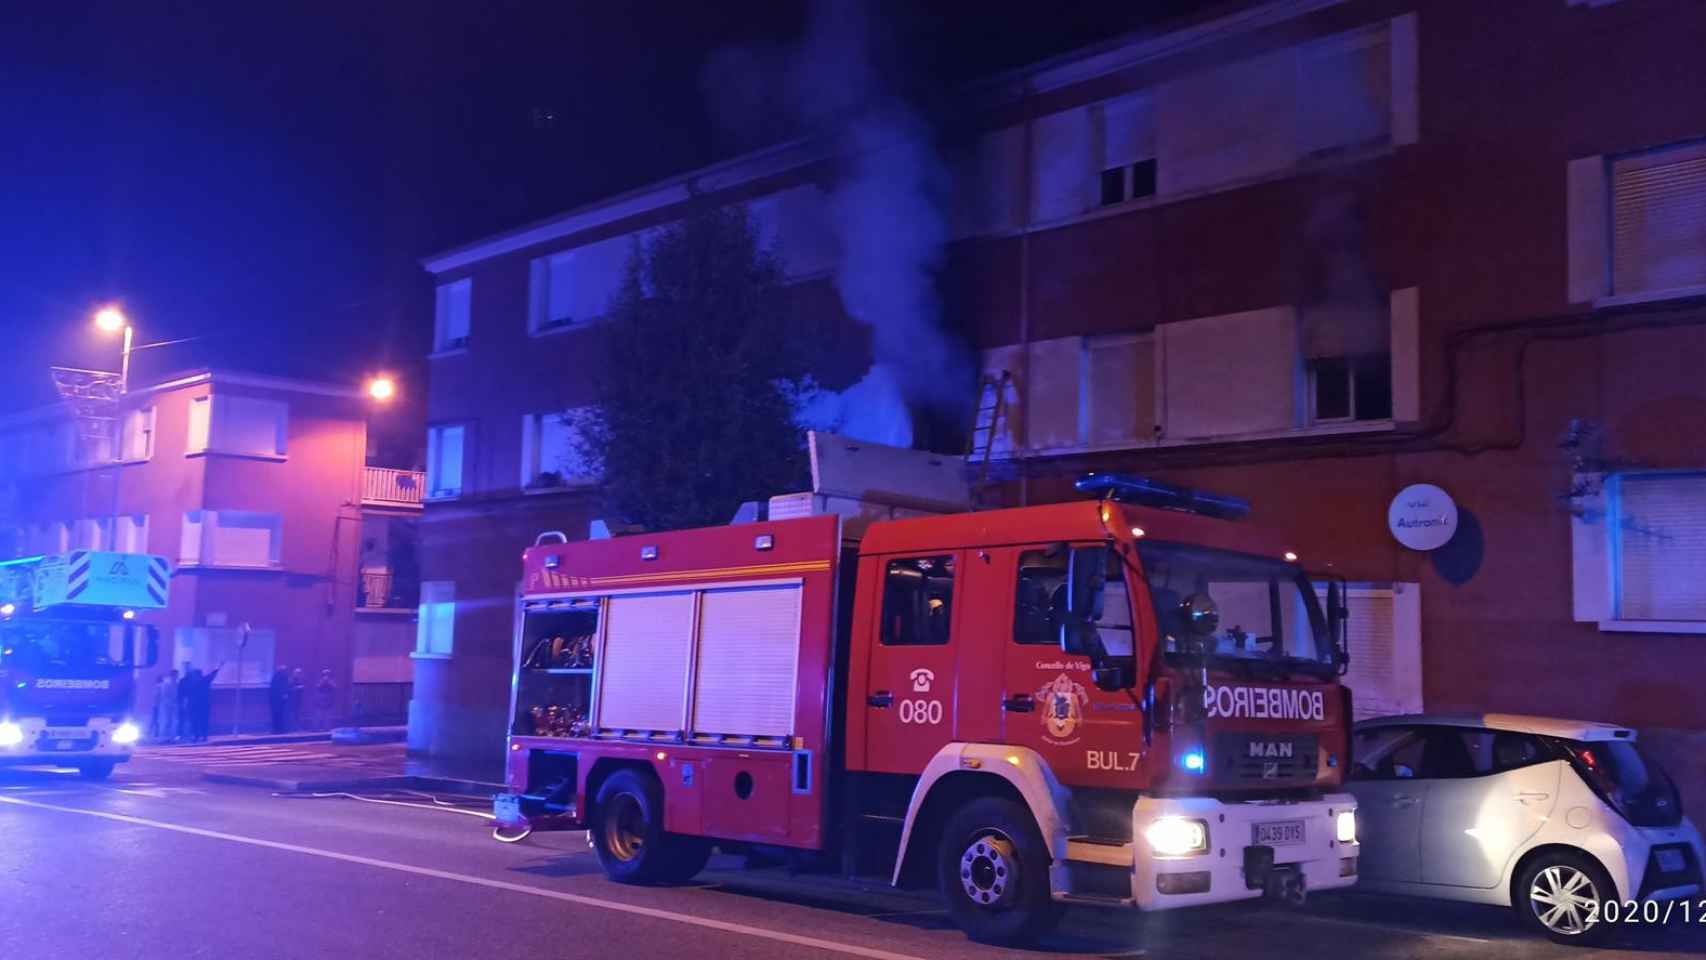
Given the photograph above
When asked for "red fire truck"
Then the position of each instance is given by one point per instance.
(1128, 700)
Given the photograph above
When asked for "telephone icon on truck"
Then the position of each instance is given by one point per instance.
(921, 679)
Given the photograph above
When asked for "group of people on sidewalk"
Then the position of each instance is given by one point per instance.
(285, 695)
(182, 705)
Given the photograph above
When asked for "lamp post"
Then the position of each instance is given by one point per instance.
(113, 320)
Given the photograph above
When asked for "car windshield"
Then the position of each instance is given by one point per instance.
(38, 644)
(1234, 607)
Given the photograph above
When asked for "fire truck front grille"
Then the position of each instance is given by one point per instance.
(1263, 758)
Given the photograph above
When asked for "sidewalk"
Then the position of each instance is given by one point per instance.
(341, 734)
(322, 763)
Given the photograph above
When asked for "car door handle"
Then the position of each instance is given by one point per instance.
(1405, 800)
(1530, 796)
(1022, 703)
(881, 698)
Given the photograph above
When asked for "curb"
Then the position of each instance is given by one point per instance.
(472, 788)
(246, 741)
(366, 735)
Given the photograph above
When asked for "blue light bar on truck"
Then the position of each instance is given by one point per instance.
(1153, 493)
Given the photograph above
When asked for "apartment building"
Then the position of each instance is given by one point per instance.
(1309, 252)
(287, 548)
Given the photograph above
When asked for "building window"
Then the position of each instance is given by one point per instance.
(1659, 546)
(229, 650)
(1231, 374)
(1658, 228)
(238, 425)
(200, 424)
(576, 286)
(1346, 389)
(436, 629)
(131, 533)
(1085, 393)
(918, 597)
(445, 456)
(451, 314)
(95, 533)
(550, 451)
(1126, 126)
(136, 439)
(231, 538)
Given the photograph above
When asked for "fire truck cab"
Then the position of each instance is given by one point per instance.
(1097, 701)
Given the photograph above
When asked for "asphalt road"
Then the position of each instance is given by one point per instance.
(158, 863)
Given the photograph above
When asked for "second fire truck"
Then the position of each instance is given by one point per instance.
(1130, 700)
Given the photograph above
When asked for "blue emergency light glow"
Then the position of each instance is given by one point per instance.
(1194, 761)
(1153, 493)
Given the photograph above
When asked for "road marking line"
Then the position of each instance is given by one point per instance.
(1314, 918)
(577, 899)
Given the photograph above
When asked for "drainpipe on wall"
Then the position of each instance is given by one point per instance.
(1023, 431)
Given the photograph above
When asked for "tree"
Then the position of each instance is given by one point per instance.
(695, 374)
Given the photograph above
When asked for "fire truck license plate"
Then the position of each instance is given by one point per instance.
(1278, 833)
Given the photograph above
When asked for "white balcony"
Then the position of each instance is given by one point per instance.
(385, 487)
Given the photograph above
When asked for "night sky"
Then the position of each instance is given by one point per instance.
(266, 177)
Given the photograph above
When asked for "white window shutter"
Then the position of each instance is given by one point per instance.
(1589, 236)
(647, 649)
(1658, 230)
(1661, 546)
(1257, 350)
(749, 644)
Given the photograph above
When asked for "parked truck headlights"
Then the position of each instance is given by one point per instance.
(1347, 826)
(126, 734)
(1177, 836)
(10, 734)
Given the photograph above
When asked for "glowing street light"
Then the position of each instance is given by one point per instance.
(382, 388)
(112, 320)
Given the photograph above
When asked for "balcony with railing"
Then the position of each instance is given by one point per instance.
(386, 487)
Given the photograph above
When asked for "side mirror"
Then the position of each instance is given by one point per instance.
(1160, 712)
(1338, 622)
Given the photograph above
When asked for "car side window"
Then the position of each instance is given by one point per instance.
(918, 596)
(1454, 753)
(1514, 750)
(1039, 596)
(1389, 753)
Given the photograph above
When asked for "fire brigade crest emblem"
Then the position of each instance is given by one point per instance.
(1062, 701)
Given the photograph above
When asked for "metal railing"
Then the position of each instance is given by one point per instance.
(383, 486)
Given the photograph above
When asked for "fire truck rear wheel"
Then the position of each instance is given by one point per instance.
(628, 835)
(993, 873)
(97, 770)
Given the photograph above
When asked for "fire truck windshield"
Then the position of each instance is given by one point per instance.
(42, 643)
(1233, 607)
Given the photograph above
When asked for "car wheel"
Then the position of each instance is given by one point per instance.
(993, 873)
(1561, 893)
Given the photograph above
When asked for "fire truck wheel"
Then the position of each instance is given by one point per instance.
(993, 873)
(96, 770)
(627, 829)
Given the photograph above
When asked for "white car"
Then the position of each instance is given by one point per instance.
(1567, 822)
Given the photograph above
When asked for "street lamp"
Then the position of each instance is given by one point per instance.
(381, 388)
(113, 320)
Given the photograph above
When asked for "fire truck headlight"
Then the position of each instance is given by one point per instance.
(11, 734)
(1177, 836)
(1194, 761)
(1346, 826)
(126, 734)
